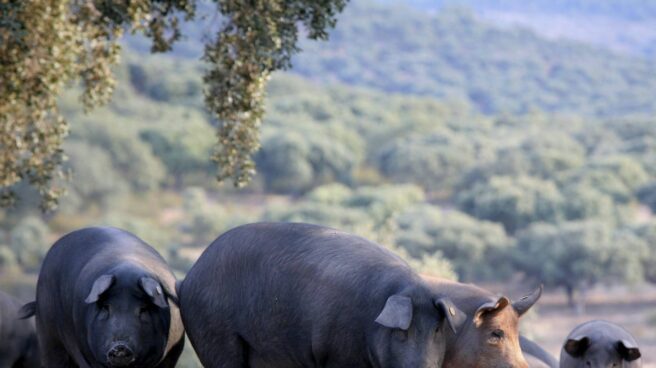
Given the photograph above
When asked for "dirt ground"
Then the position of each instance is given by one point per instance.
(632, 308)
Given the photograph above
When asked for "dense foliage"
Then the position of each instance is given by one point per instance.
(45, 45)
(438, 182)
(577, 255)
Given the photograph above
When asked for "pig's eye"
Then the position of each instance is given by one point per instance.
(400, 335)
(143, 314)
(104, 309)
(496, 336)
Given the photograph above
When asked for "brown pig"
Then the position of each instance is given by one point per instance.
(489, 338)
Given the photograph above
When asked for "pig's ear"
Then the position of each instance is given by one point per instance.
(526, 302)
(577, 346)
(453, 315)
(154, 290)
(490, 308)
(628, 350)
(397, 312)
(102, 284)
(27, 311)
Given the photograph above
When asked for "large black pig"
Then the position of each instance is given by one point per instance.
(18, 343)
(104, 300)
(296, 295)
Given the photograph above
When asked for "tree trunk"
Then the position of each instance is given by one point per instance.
(569, 289)
(580, 305)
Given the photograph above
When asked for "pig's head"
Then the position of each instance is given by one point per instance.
(490, 338)
(604, 348)
(411, 328)
(127, 319)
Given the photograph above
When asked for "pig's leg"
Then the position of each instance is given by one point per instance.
(229, 351)
(53, 355)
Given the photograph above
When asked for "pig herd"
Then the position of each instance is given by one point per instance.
(275, 295)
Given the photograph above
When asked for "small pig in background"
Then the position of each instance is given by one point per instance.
(600, 344)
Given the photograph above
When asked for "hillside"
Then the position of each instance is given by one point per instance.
(622, 26)
(453, 55)
(627, 9)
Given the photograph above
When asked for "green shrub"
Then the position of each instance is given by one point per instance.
(29, 241)
(8, 261)
(476, 249)
(577, 255)
(96, 181)
(514, 202)
(434, 161)
(132, 158)
(330, 194)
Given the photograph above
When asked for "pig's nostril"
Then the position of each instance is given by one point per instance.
(120, 355)
(120, 351)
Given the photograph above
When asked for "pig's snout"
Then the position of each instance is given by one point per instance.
(120, 355)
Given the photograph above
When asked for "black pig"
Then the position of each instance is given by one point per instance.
(296, 295)
(18, 342)
(104, 300)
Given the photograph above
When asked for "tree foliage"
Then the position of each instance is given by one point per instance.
(8, 262)
(46, 44)
(203, 223)
(432, 161)
(514, 202)
(29, 241)
(647, 232)
(293, 162)
(102, 182)
(629, 9)
(338, 206)
(260, 38)
(577, 255)
(616, 176)
(476, 248)
(131, 157)
(183, 149)
(460, 57)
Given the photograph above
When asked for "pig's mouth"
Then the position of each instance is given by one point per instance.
(120, 356)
